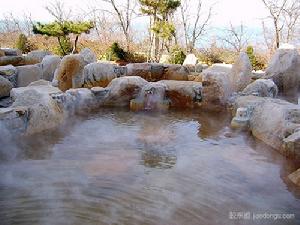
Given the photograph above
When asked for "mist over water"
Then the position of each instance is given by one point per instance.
(120, 167)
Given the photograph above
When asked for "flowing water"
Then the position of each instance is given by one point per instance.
(120, 167)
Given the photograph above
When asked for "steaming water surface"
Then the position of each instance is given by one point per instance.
(119, 167)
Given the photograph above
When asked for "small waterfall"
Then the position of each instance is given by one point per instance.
(151, 98)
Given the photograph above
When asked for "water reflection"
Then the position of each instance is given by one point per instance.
(119, 167)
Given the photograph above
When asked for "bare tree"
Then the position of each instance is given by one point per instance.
(194, 26)
(236, 37)
(276, 8)
(59, 11)
(124, 12)
(291, 17)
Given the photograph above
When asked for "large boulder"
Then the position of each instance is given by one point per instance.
(101, 74)
(241, 72)
(164, 59)
(122, 90)
(151, 97)
(49, 64)
(261, 88)
(190, 59)
(183, 94)
(148, 71)
(217, 87)
(88, 55)
(10, 73)
(28, 74)
(69, 74)
(295, 177)
(33, 110)
(5, 87)
(17, 60)
(11, 52)
(176, 72)
(276, 122)
(38, 55)
(284, 70)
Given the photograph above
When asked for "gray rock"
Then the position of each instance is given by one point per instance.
(9, 72)
(28, 74)
(11, 52)
(33, 110)
(38, 55)
(101, 74)
(5, 87)
(17, 60)
(261, 88)
(284, 70)
(124, 89)
(276, 122)
(88, 55)
(241, 72)
(49, 64)
(217, 87)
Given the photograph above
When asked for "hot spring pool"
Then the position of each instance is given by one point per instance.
(120, 167)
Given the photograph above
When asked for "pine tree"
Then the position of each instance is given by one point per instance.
(61, 30)
(160, 12)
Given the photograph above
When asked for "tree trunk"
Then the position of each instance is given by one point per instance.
(75, 45)
(61, 47)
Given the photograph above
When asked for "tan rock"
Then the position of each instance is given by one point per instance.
(17, 60)
(176, 72)
(70, 72)
(295, 177)
(122, 90)
(183, 94)
(149, 71)
(217, 87)
(101, 74)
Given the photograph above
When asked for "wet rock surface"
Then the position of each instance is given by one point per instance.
(261, 88)
(274, 121)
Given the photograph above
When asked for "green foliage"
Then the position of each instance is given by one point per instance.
(159, 7)
(65, 46)
(177, 55)
(61, 30)
(24, 44)
(57, 29)
(164, 29)
(258, 62)
(116, 52)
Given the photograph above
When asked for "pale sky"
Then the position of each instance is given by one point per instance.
(249, 12)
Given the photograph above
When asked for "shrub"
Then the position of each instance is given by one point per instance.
(24, 44)
(258, 62)
(177, 55)
(117, 53)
